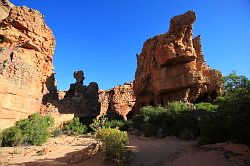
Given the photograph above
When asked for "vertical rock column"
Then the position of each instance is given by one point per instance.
(171, 67)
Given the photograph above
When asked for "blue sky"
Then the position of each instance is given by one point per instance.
(102, 37)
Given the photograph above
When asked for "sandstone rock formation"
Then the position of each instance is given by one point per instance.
(80, 100)
(171, 67)
(26, 69)
(120, 99)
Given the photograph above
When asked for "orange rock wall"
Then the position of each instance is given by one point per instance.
(171, 67)
(120, 99)
(26, 69)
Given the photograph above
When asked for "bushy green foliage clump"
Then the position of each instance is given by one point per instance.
(57, 132)
(232, 122)
(33, 130)
(110, 122)
(177, 106)
(206, 106)
(74, 127)
(173, 120)
(99, 123)
(114, 144)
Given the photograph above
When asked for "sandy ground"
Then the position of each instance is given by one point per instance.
(146, 152)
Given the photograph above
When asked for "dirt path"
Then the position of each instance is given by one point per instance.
(172, 151)
(146, 152)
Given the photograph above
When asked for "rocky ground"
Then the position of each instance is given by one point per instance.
(146, 152)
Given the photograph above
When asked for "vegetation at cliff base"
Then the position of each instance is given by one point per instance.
(33, 131)
(114, 144)
(227, 119)
(74, 127)
(232, 121)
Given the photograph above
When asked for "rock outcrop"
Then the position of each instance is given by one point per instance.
(26, 68)
(120, 99)
(171, 67)
(80, 100)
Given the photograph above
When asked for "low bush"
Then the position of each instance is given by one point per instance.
(33, 130)
(99, 123)
(111, 115)
(114, 143)
(185, 126)
(74, 127)
(12, 137)
(116, 124)
(154, 120)
(232, 120)
(177, 106)
(173, 120)
(57, 132)
(206, 106)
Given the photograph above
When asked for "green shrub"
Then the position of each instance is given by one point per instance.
(74, 127)
(115, 124)
(177, 106)
(232, 120)
(160, 122)
(185, 126)
(12, 137)
(206, 106)
(153, 120)
(137, 121)
(57, 132)
(33, 130)
(212, 131)
(114, 144)
(99, 123)
(111, 115)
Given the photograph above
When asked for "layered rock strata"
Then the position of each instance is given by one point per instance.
(120, 99)
(171, 67)
(26, 69)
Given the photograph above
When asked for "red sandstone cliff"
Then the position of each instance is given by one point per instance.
(26, 69)
(171, 67)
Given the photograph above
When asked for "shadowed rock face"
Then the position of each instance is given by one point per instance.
(26, 69)
(171, 67)
(80, 100)
(120, 99)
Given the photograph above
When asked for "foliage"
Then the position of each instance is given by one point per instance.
(116, 124)
(74, 127)
(178, 106)
(114, 144)
(33, 130)
(232, 122)
(185, 126)
(57, 132)
(154, 119)
(111, 115)
(206, 106)
(12, 137)
(99, 123)
(160, 122)
(233, 82)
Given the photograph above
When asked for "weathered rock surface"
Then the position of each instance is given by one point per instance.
(26, 69)
(80, 100)
(171, 67)
(120, 99)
